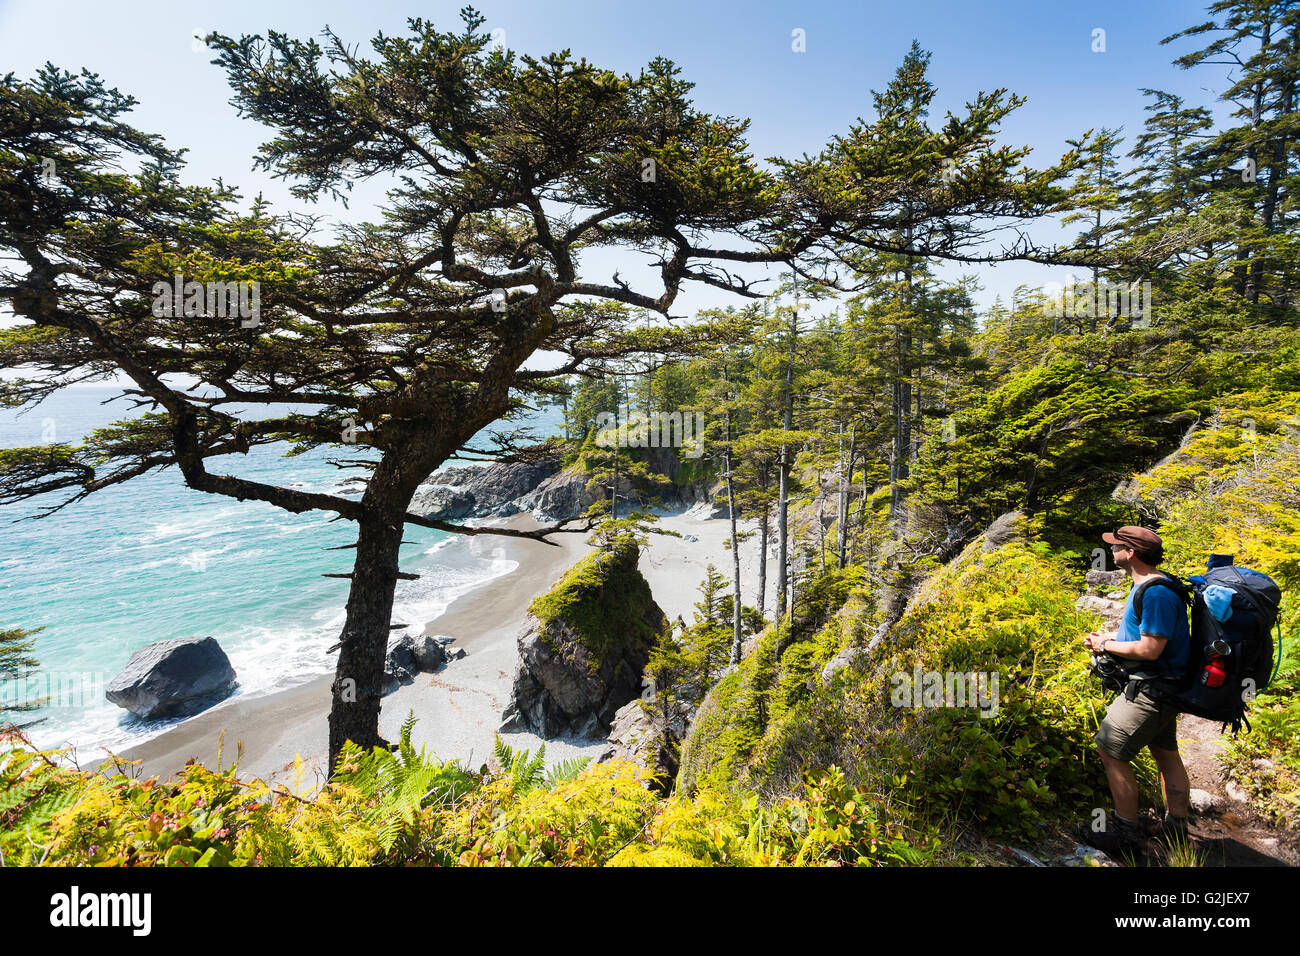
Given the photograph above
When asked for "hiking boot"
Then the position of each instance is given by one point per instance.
(1122, 840)
(1173, 830)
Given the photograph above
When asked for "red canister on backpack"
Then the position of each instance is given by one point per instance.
(1214, 674)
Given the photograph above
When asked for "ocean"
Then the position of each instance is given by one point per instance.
(152, 559)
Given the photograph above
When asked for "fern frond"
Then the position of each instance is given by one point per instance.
(566, 770)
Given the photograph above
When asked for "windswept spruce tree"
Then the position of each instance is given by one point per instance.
(405, 337)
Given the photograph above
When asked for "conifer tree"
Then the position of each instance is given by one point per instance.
(400, 339)
(1256, 161)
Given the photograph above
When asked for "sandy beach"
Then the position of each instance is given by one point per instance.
(458, 708)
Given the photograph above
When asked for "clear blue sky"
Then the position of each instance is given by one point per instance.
(737, 53)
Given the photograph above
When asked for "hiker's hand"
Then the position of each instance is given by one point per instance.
(1094, 641)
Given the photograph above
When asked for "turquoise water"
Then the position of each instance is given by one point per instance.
(152, 559)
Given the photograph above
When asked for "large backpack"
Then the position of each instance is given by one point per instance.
(1241, 647)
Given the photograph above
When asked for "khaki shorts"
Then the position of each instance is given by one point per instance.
(1131, 725)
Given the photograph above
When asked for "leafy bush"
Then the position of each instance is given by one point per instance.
(1009, 612)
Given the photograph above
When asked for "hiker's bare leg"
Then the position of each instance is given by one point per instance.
(1123, 786)
(1173, 778)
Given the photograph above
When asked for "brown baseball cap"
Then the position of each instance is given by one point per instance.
(1141, 540)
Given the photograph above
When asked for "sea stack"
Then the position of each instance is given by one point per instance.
(584, 646)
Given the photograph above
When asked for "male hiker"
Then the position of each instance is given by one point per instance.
(1153, 650)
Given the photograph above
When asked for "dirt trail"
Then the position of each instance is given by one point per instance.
(1224, 828)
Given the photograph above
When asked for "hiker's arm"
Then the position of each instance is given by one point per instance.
(1147, 648)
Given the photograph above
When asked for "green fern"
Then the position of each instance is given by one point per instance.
(32, 792)
(566, 770)
(400, 783)
(529, 772)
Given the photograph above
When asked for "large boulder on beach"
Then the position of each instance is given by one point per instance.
(409, 655)
(442, 503)
(584, 646)
(173, 678)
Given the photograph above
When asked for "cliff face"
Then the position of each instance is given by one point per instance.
(584, 646)
(483, 492)
(552, 492)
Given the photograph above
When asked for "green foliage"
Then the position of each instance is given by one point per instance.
(603, 598)
(684, 665)
(16, 663)
(404, 783)
(1008, 612)
(828, 823)
(33, 791)
(1058, 436)
(529, 772)
(730, 722)
(735, 716)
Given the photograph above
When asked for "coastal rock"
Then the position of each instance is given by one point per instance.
(351, 486)
(649, 739)
(173, 678)
(428, 652)
(1102, 581)
(583, 647)
(409, 655)
(482, 492)
(541, 487)
(564, 495)
(442, 504)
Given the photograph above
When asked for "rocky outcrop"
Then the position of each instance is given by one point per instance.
(409, 655)
(175, 678)
(552, 493)
(1102, 581)
(584, 646)
(563, 495)
(482, 492)
(1105, 596)
(649, 738)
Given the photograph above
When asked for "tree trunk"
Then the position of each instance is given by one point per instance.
(846, 481)
(1276, 172)
(1249, 275)
(821, 520)
(862, 515)
(735, 548)
(763, 536)
(613, 494)
(359, 676)
(783, 485)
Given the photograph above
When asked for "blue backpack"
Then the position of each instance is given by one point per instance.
(1234, 611)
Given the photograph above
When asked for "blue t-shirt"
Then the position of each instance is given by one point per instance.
(1164, 615)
